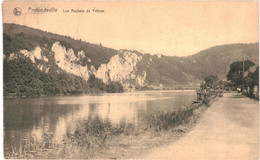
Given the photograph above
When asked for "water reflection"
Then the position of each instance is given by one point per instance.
(51, 118)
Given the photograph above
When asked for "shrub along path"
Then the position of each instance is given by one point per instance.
(229, 129)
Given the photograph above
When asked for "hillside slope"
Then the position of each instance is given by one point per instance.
(216, 60)
(72, 62)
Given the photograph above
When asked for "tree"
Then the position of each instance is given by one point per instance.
(96, 83)
(252, 79)
(235, 74)
(211, 80)
(7, 42)
(114, 87)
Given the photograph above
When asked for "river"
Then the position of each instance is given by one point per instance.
(36, 118)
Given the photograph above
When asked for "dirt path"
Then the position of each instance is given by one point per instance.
(228, 130)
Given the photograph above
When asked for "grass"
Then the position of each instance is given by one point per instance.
(166, 120)
(29, 147)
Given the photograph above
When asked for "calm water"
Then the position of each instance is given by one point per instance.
(34, 117)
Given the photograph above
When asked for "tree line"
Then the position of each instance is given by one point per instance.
(23, 79)
(236, 78)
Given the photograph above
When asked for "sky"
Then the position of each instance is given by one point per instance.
(163, 27)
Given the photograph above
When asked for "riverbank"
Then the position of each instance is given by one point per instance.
(101, 139)
(95, 91)
(229, 129)
(134, 145)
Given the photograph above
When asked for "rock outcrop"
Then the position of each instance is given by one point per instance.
(122, 67)
(67, 60)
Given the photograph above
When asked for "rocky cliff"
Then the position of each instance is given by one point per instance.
(121, 67)
(61, 55)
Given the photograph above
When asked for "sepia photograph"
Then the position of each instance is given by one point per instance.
(130, 80)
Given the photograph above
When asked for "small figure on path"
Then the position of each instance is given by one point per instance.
(238, 90)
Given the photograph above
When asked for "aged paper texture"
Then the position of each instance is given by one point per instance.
(131, 80)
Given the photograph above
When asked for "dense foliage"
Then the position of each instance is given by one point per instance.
(235, 74)
(211, 80)
(112, 87)
(252, 80)
(249, 81)
(23, 79)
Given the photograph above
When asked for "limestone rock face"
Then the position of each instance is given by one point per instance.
(140, 79)
(33, 55)
(121, 67)
(66, 60)
(12, 56)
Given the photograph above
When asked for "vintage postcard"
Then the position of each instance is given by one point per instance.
(130, 80)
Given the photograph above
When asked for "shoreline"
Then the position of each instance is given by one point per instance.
(136, 145)
(222, 131)
(122, 142)
(95, 93)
